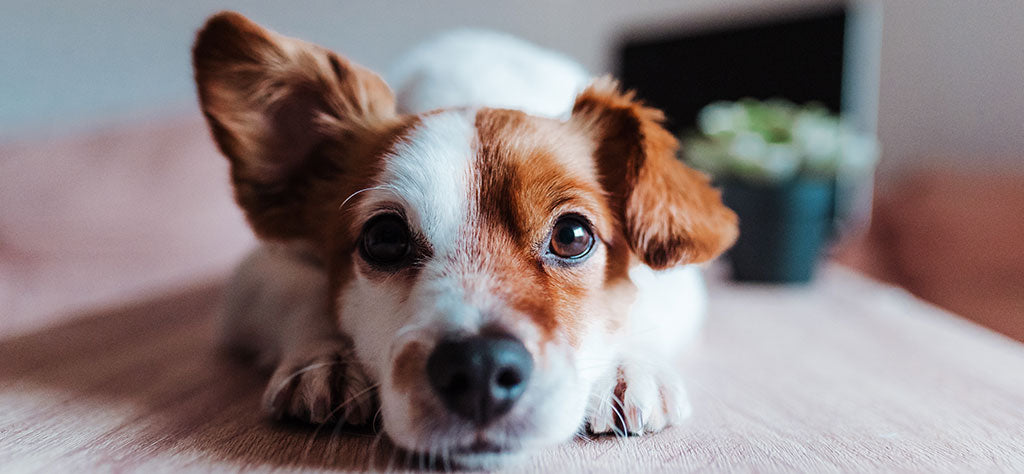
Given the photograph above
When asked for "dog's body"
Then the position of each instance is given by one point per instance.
(483, 275)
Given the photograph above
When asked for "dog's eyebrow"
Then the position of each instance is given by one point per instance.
(572, 197)
(387, 208)
(563, 201)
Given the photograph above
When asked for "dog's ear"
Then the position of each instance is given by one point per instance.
(272, 102)
(670, 213)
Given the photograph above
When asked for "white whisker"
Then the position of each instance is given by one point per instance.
(299, 372)
(350, 196)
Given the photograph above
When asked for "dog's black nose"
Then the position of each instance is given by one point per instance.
(479, 378)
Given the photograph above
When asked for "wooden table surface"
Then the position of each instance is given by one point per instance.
(844, 375)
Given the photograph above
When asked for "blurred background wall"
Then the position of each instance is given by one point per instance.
(951, 72)
(110, 186)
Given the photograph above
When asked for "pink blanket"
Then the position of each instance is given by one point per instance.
(98, 219)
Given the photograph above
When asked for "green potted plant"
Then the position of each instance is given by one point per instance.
(783, 168)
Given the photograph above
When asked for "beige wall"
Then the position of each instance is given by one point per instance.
(951, 81)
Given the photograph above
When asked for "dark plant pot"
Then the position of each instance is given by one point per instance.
(783, 228)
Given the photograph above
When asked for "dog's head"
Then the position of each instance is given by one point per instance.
(478, 257)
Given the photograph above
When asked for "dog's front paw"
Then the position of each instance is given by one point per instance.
(323, 383)
(637, 400)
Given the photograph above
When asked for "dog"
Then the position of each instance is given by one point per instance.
(486, 281)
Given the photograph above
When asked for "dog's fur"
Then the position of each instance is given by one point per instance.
(317, 148)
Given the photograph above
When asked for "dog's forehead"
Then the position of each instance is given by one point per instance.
(461, 167)
(429, 174)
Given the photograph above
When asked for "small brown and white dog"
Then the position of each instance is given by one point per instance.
(493, 282)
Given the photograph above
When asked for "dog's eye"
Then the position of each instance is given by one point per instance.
(571, 237)
(385, 240)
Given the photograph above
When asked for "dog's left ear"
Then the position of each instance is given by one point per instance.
(670, 213)
(272, 102)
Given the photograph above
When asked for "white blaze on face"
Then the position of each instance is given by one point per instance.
(427, 175)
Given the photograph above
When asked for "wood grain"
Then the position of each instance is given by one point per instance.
(844, 375)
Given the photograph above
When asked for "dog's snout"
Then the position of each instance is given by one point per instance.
(479, 378)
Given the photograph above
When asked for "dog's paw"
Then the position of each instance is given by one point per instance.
(637, 401)
(323, 383)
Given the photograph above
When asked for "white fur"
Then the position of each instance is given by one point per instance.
(668, 312)
(486, 68)
(428, 174)
(273, 281)
(275, 301)
(669, 309)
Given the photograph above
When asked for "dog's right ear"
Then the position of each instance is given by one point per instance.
(272, 102)
(670, 213)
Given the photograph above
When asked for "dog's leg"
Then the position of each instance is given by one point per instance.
(643, 392)
(277, 311)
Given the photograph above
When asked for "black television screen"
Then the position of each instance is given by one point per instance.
(799, 58)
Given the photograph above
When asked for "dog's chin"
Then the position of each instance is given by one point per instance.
(486, 458)
(477, 456)
(469, 459)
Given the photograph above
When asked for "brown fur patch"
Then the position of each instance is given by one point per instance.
(409, 372)
(409, 378)
(670, 212)
(529, 172)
